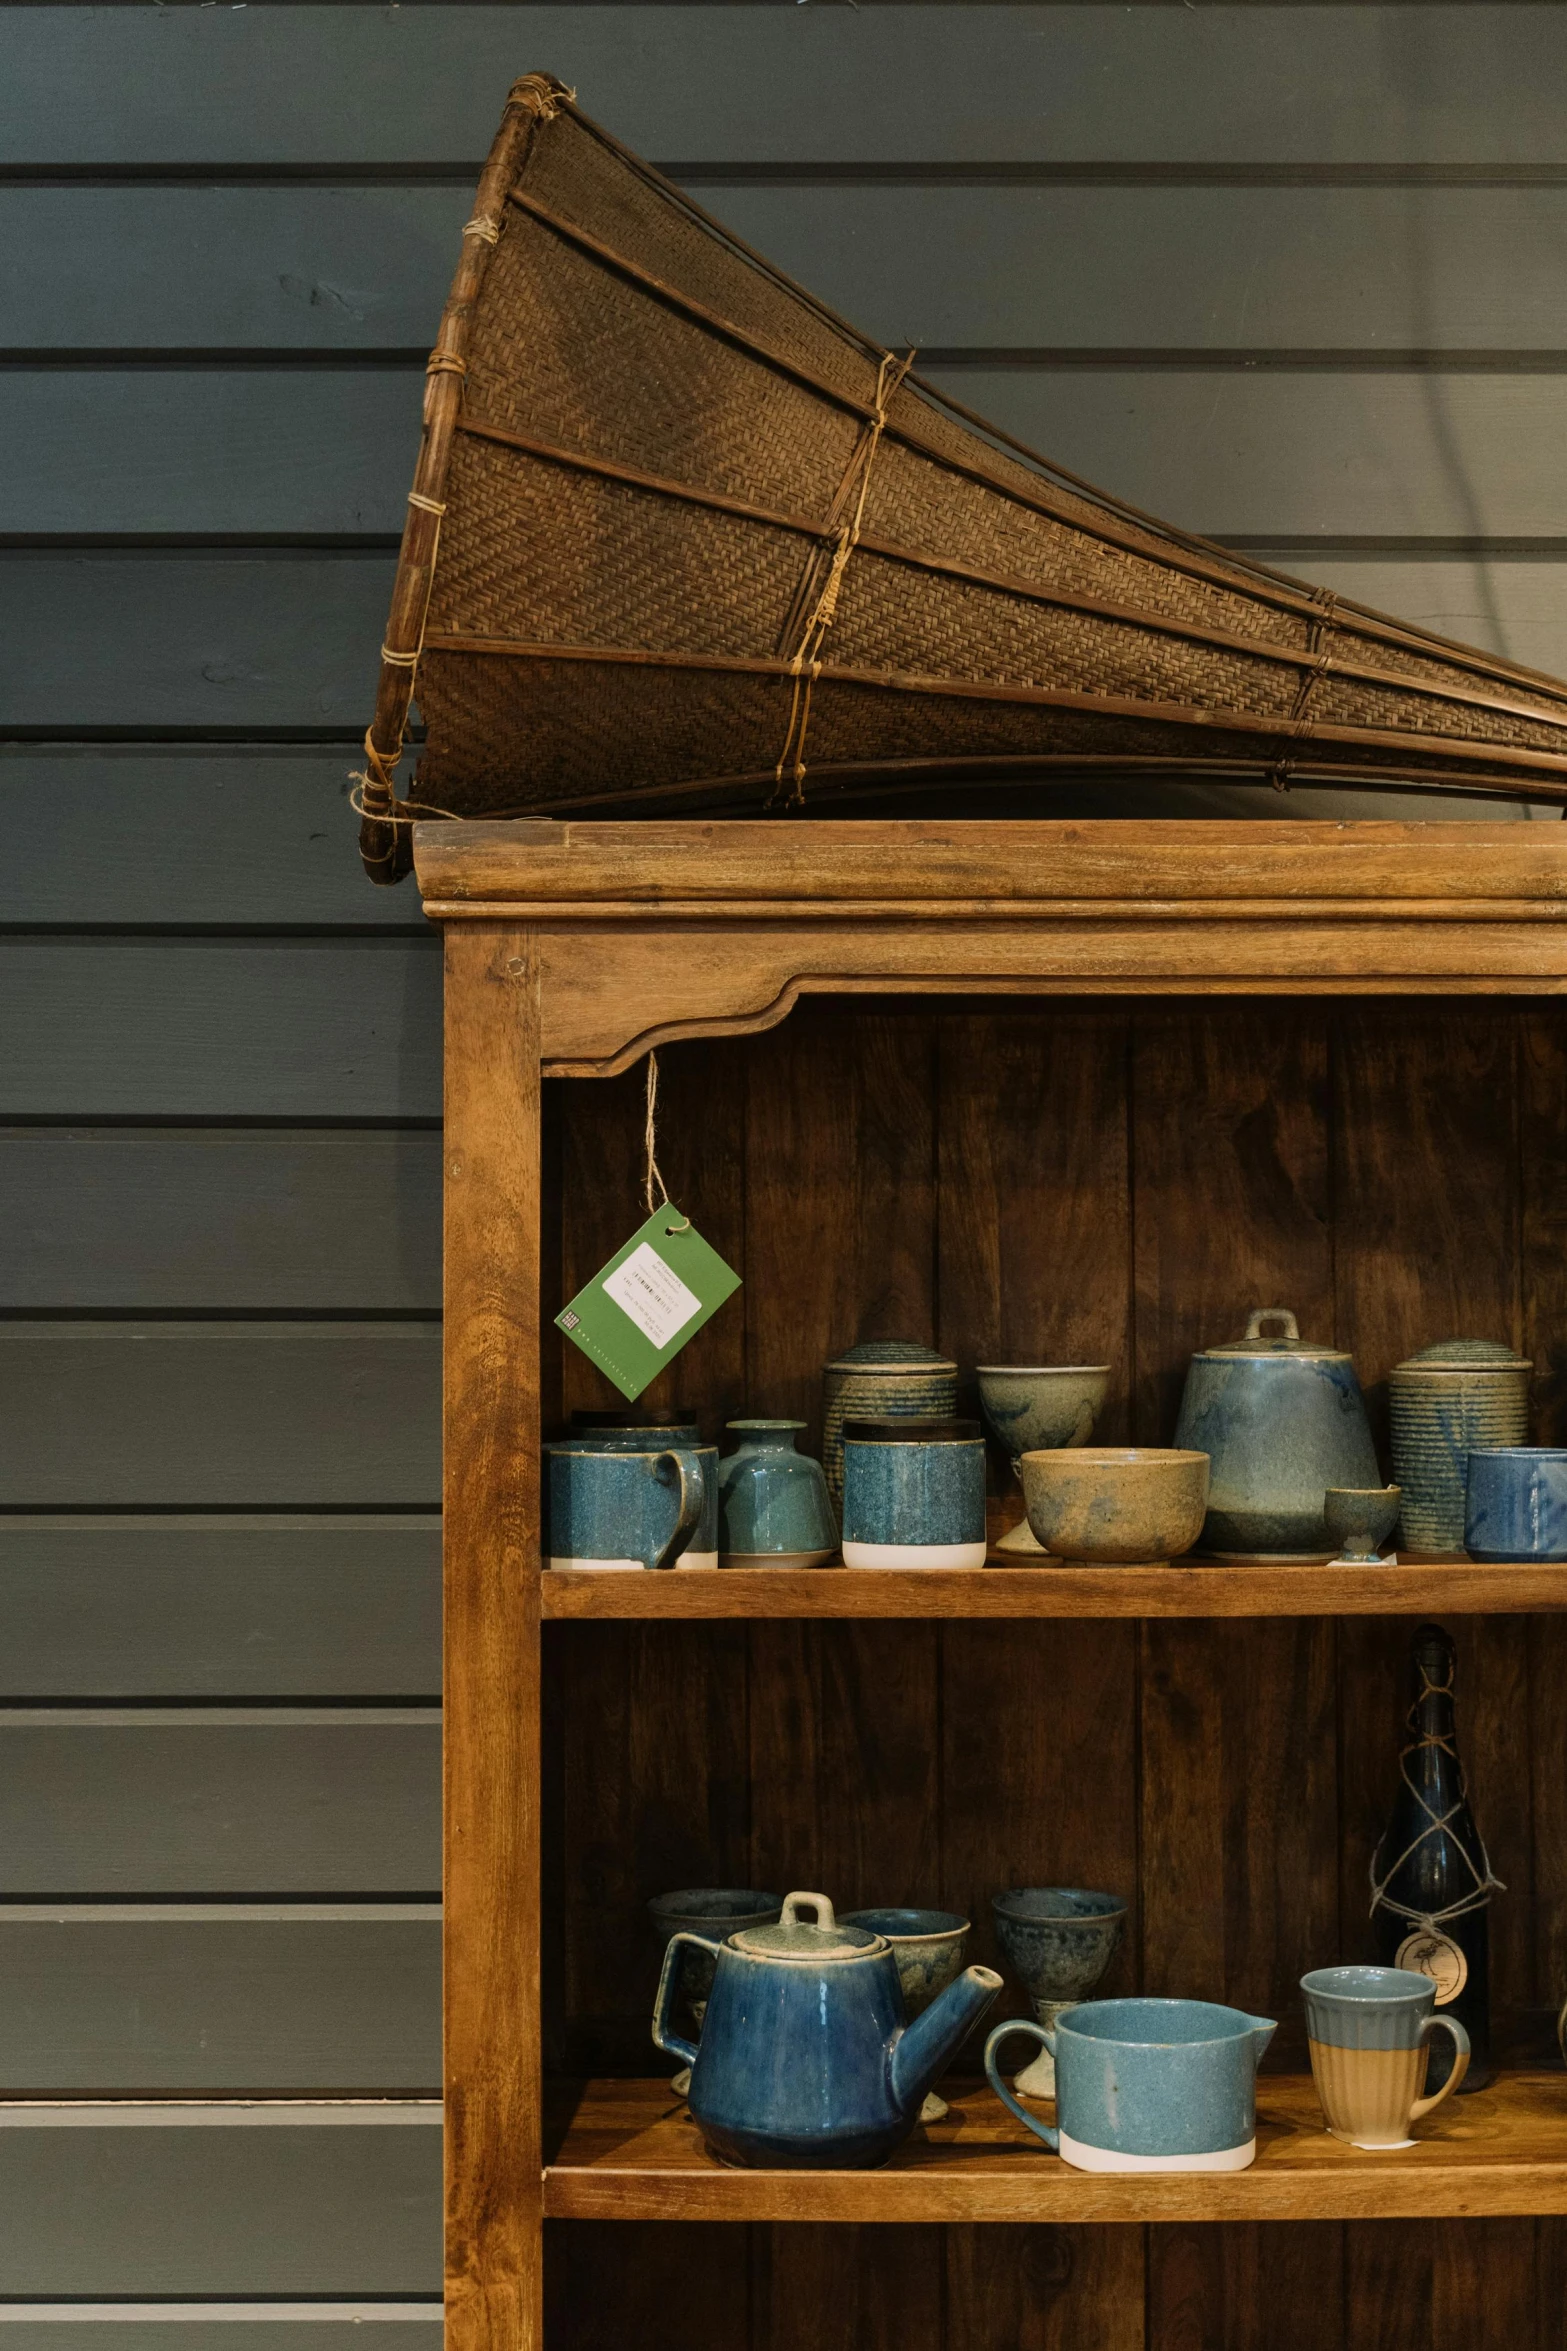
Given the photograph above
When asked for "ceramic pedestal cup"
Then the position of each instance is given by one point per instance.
(1359, 1521)
(1058, 1941)
(623, 1432)
(1147, 2085)
(1517, 1503)
(773, 1504)
(928, 1946)
(1033, 1408)
(913, 1493)
(1369, 2029)
(621, 1509)
(711, 1912)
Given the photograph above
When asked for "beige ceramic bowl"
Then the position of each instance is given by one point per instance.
(1116, 1502)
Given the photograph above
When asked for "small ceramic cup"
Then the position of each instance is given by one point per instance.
(1369, 2029)
(628, 1432)
(1517, 1503)
(621, 1509)
(1058, 1941)
(913, 1493)
(1359, 1520)
(716, 1912)
(773, 1509)
(1116, 1503)
(928, 1946)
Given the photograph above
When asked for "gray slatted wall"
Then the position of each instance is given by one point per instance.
(1290, 274)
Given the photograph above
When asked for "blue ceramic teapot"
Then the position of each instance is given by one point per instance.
(805, 2059)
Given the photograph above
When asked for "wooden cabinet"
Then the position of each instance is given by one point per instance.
(1030, 1092)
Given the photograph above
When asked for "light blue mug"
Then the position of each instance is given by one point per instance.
(619, 1509)
(1147, 2085)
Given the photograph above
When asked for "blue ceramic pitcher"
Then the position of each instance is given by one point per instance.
(1147, 2085)
(805, 2059)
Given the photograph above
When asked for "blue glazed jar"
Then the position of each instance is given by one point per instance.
(773, 1509)
(1517, 1503)
(1147, 2085)
(913, 1493)
(623, 1432)
(805, 2058)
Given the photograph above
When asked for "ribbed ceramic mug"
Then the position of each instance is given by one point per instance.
(1369, 2029)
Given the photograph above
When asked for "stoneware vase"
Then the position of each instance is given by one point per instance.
(621, 1508)
(1459, 1397)
(913, 1493)
(1369, 2028)
(885, 1379)
(1281, 1420)
(624, 1432)
(1039, 1408)
(1058, 1941)
(805, 2059)
(773, 1506)
(1359, 1522)
(711, 1912)
(1147, 2085)
(1516, 1505)
(1116, 1503)
(928, 1946)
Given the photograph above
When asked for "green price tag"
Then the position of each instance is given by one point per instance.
(655, 1293)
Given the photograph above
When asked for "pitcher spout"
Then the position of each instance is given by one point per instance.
(923, 2048)
(1263, 2029)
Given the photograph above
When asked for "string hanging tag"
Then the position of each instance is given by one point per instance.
(657, 1290)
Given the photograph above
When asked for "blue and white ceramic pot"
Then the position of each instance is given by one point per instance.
(624, 1432)
(1147, 2085)
(913, 1493)
(773, 1508)
(805, 2058)
(1369, 2028)
(621, 1509)
(885, 1379)
(1280, 1420)
(1517, 1503)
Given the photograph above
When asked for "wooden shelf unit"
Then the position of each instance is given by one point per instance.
(571, 949)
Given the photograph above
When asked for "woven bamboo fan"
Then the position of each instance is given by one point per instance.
(680, 539)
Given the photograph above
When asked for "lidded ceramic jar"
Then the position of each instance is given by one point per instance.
(885, 1379)
(1459, 1397)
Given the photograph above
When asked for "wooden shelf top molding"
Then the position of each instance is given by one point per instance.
(649, 932)
(629, 2150)
(1257, 1587)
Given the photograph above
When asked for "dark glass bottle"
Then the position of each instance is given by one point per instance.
(1431, 1882)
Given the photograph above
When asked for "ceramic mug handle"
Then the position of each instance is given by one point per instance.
(693, 1492)
(1035, 2032)
(1443, 2024)
(663, 2037)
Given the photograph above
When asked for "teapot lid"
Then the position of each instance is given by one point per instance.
(1466, 1355)
(796, 1938)
(1256, 1341)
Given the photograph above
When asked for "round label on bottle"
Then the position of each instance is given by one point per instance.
(1431, 1953)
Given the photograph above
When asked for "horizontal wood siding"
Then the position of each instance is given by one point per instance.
(1290, 273)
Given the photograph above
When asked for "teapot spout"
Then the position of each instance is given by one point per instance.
(923, 2048)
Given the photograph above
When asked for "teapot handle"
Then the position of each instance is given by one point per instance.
(1047, 2040)
(663, 2037)
(818, 1902)
(1261, 1314)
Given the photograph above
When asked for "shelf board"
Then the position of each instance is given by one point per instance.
(1245, 1587)
(628, 2150)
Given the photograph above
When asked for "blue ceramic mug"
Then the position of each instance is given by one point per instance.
(1147, 2085)
(626, 1432)
(913, 1493)
(1517, 1503)
(621, 1509)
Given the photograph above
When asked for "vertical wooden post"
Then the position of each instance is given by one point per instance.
(493, 2045)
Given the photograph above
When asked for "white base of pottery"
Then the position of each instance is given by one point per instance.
(934, 2109)
(637, 1567)
(1273, 1558)
(1375, 2146)
(914, 1554)
(1382, 1559)
(774, 1558)
(1022, 1538)
(1039, 2079)
(1086, 2158)
(680, 2082)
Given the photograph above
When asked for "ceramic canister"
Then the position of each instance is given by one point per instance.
(773, 1505)
(1445, 1403)
(1517, 1503)
(1369, 2028)
(1147, 2085)
(886, 1379)
(623, 1432)
(913, 1493)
